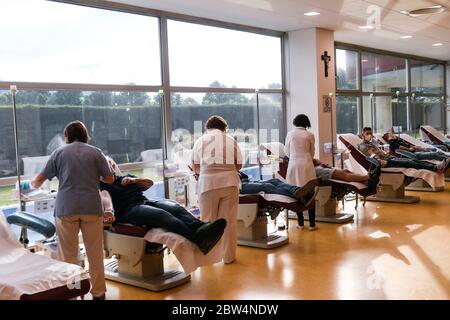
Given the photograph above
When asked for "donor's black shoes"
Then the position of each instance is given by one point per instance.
(306, 190)
(374, 173)
(209, 234)
(307, 193)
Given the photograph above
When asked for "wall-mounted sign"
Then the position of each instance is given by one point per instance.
(327, 103)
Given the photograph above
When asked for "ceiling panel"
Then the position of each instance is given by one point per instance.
(343, 16)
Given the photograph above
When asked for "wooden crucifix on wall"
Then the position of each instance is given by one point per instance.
(326, 59)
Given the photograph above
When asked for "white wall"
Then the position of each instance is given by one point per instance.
(306, 84)
(301, 71)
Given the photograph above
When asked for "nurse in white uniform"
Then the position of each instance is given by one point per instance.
(300, 150)
(216, 158)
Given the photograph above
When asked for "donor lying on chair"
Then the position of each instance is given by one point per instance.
(303, 194)
(132, 207)
(400, 146)
(369, 149)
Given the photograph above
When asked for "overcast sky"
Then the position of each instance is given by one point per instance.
(44, 41)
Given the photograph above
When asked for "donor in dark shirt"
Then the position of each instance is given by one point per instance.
(125, 199)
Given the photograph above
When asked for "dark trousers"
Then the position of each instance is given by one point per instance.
(312, 218)
(410, 163)
(423, 155)
(165, 214)
(272, 186)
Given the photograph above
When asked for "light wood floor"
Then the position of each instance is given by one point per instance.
(390, 251)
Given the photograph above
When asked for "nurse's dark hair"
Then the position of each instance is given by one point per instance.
(301, 120)
(365, 129)
(76, 131)
(216, 122)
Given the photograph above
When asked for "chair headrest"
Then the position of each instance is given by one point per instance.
(350, 138)
(351, 141)
(380, 138)
(412, 140)
(433, 134)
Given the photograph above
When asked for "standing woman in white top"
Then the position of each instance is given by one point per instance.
(216, 158)
(300, 150)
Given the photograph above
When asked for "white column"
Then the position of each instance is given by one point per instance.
(306, 83)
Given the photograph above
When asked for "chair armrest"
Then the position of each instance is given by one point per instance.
(32, 222)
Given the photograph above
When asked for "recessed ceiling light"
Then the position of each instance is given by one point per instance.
(437, 44)
(425, 11)
(366, 27)
(312, 13)
(406, 37)
(364, 60)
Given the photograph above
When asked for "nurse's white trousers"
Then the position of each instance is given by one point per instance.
(222, 203)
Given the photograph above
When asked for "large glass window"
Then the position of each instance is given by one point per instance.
(271, 118)
(381, 73)
(377, 113)
(388, 99)
(383, 113)
(190, 112)
(400, 114)
(427, 111)
(427, 77)
(346, 69)
(56, 42)
(105, 72)
(203, 56)
(125, 125)
(347, 111)
(7, 155)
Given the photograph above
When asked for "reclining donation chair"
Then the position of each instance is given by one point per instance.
(253, 212)
(416, 184)
(32, 276)
(329, 191)
(428, 133)
(134, 261)
(392, 180)
(253, 222)
(418, 143)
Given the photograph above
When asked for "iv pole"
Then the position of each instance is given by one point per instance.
(332, 129)
(163, 142)
(13, 90)
(258, 154)
(444, 107)
(397, 93)
(413, 113)
(372, 111)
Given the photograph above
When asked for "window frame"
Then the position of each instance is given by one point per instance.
(359, 101)
(166, 107)
(358, 71)
(408, 94)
